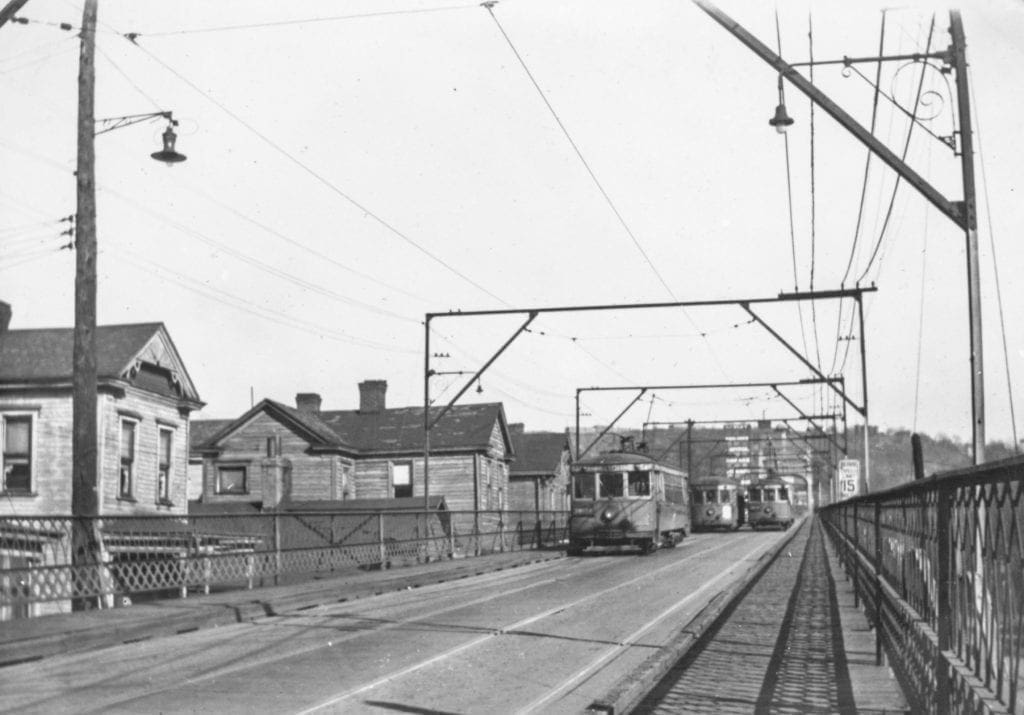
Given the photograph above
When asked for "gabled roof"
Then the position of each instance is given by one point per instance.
(538, 452)
(306, 424)
(396, 430)
(41, 356)
(400, 429)
(201, 430)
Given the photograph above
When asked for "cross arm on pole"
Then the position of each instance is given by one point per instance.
(954, 210)
(810, 366)
(819, 431)
(481, 371)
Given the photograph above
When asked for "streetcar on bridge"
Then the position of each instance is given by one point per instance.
(625, 500)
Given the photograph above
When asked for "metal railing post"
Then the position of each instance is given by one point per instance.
(381, 551)
(944, 579)
(878, 582)
(855, 565)
(277, 548)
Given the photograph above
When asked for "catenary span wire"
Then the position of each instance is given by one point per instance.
(305, 21)
(903, 156)
(320, 178)
(579, 153)
(128, 79)
(255, 262)
(489, 6)
(814, 214)
(303, 247)
(995, 264)
(863, 190)
(789, 196)
(187, 230)
(244, 304)
(246, 217)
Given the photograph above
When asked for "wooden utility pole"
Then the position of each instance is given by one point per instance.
(84, 484)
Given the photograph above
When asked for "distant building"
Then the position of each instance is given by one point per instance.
(275, 454)
(539, 476)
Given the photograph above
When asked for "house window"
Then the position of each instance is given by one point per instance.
(401, 479)
(126, 479)
(231, 480)
(163, 467)
(17, 454)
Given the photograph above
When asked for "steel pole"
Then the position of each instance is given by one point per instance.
(426, 414)
(956, 30)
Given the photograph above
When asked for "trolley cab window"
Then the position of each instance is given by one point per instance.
(611, 484)
(639, 484)
(583, 486)
(753, 494)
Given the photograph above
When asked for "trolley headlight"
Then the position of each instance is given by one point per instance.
(710, 511)
(767, 510)
(607, 515)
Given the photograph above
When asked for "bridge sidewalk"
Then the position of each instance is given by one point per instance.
(34, 638)
(793, 643)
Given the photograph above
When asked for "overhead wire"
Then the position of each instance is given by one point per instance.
(903, 156)
(863, 191)
(320, 178)
(489, 6)
(303, 21)
(920, 311)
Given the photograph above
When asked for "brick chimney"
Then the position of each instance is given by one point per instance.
(5, 316)
(308, 402)
(371, 395)
(517, 428)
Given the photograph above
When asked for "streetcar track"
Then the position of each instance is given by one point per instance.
(506, 630)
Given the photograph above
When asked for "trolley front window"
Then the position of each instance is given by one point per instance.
(753, 495)
(583, 486)
(709, 496)
(770, 494)
(611, 484)
(783, 494)
(639, 484)
(724, 495)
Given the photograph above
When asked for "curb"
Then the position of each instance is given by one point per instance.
(66, 634)
(634, 687)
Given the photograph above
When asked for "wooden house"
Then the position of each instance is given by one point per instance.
(145, 397)
(539, 476)
(275, 453)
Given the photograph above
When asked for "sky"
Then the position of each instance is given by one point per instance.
(355, 165)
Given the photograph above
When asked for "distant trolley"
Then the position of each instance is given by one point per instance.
(626, 500)
(768, 504)
(716, 503)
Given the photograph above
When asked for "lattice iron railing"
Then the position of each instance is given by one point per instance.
(157, 556)
(939, 566)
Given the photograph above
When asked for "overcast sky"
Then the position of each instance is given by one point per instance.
(353, 165)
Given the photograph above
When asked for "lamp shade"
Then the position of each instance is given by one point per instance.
(781, 121)
(168, 155)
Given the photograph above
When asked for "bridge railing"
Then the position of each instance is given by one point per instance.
(939, 567)
(140, 557)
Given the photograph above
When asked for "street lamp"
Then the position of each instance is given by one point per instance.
(781, 121)
(168, 154)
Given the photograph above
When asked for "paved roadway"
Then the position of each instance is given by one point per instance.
(550, 637)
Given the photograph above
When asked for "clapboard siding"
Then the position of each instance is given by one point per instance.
(309, 475)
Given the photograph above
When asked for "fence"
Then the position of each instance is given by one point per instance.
(939, 566)
(158, 556)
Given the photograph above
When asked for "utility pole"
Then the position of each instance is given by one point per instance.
(84, 487)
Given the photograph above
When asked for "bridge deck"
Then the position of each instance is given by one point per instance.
(793, 644)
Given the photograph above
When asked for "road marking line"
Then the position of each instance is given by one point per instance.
(502, 631)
